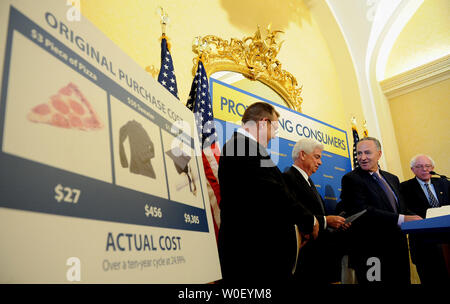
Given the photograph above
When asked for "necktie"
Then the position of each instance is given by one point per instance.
(319, 198)
(432, 199)
(387, 189)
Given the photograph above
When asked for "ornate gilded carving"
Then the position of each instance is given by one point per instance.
(254, 57)
(152, 70)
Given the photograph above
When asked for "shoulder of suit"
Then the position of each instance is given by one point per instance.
(387, 173)
(390, 175)
(290, 174)
(408, 182)
(436, 179)
(289, 170)
(357, 172)
(237, 137)
(355, 177)
(409, 186)
(439, 181)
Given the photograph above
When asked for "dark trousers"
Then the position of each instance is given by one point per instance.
(429, 260)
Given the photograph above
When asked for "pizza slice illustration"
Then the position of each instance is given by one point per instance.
(67, 109)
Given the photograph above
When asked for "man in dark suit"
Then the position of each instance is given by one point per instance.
(319, 260)
(420, 193)
(257, 236)
(379, 251)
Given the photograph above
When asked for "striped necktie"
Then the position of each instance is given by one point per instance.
(432, 199)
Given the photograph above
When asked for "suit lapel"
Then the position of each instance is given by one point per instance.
(301, 182)
(373, 185)
(419, 192)
(388, 179)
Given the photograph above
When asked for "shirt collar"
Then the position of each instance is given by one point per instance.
(421, 182)
(245, 133)
(262, 150)
(303, 173)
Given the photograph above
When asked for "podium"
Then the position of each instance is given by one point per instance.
(432, 230)
(437, 229)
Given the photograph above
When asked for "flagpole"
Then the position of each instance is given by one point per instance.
(199, 102)
(355, 141)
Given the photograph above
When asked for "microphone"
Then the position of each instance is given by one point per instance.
(441, 176)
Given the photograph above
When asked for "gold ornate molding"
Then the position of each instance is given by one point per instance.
(254, 57)
(153, 71)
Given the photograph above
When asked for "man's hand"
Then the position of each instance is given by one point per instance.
(335, 221)
(315, 232)
(409, 218)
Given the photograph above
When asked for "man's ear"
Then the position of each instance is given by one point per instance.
(302, 155)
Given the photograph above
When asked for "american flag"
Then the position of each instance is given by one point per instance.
(355, 141)
(199, 102)
(166, 75)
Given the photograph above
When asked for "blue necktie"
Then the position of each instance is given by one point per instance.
(387, 189)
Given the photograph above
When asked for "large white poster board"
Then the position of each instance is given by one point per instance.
(97, 182)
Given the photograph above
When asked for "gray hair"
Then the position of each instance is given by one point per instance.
(376, 141)
(305, 144)
(414, 159)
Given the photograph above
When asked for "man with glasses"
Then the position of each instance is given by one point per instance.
(420, 193)
(257, 237)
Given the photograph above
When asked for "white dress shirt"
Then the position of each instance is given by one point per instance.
(422, 184)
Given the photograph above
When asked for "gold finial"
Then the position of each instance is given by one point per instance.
(353, 121)
(200, 46)
(165, 20)
(365, 131)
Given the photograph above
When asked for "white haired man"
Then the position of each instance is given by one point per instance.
(422, 192)
(319, 259)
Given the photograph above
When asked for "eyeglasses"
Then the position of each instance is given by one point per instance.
(423, 166)
(273, 123)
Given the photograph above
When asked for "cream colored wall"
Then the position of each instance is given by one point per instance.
(421, 118)
(343, 62)
(388, 137)
(134, 26)
(422, 125)
(424, 38)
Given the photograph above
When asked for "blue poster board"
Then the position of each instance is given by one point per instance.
(229, 104)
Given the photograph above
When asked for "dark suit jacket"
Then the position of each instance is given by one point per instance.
(426, 255)
(257, 237)
(319, 260)
(376, 233)
(302, 191)
(415, 198)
